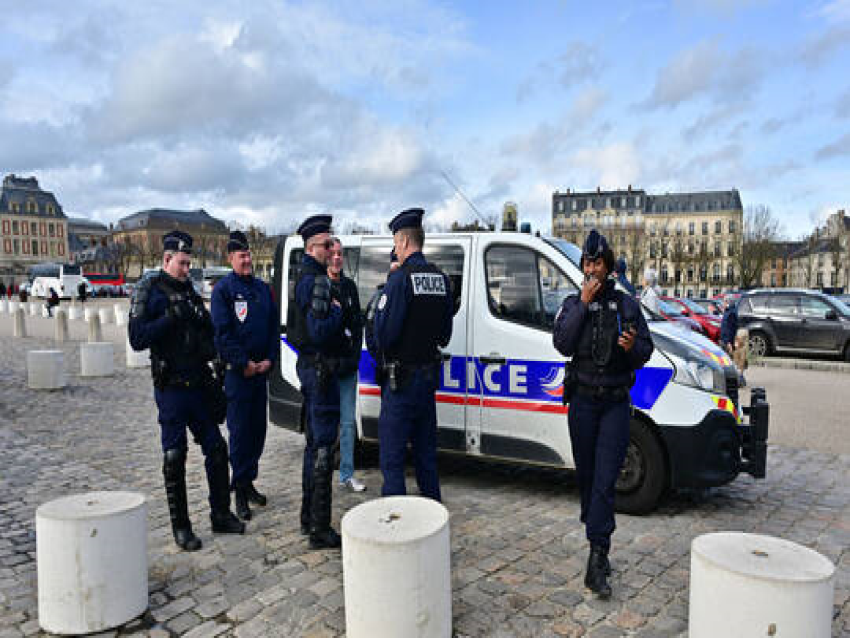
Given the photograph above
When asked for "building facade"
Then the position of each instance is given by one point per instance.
(822, 260)
(138, 238)
(692, 240)
(33, 228)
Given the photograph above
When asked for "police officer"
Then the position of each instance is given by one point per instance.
(247, 337)
(316, 330)
(412, 321)
(167, 316)
(604, 332)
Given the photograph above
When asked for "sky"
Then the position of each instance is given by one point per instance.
(264, 112)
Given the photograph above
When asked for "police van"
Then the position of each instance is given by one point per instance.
(501, 385)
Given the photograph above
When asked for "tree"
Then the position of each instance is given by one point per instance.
(761, 231)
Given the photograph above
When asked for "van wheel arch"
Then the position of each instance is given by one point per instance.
(645, 476)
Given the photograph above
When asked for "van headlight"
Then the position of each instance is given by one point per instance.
(697, 374)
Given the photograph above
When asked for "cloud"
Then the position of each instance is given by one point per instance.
(816, 50)
(579, 63)
(836, 11)
(772, 125)
(723, 8)
(707, 123)
(838, 148)
(612, 165)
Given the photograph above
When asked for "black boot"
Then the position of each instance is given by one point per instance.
(174, 472)
(254, 496)
(240, 496)
(218, 477)
(322, 535)
(596, 579)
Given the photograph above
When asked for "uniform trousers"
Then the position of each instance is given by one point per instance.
(409, 415)
(246, 423)
(599, 433)
(321, 406)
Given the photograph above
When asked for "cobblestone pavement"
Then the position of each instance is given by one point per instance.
(518, 552)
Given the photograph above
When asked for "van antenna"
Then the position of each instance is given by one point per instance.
(466, 199)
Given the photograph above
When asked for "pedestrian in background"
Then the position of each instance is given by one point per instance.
(82, 292)
(622, 278)
(345, 290)
(247, 338)
(604, 332)
(51, 302)
(2, 289)
(315, 332)
(650, 293)
(168, 316)
(412, 321)
(729, 326)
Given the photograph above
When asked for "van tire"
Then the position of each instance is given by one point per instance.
(643, 478)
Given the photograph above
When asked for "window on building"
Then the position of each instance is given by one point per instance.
(561, 206)
(50, 209)
(732, 226)
(716, 272)
(623, 202)
(15, 207)
(690, 275)
(575, 205)
(705, 228)
(33, 229)
(652, 251)
(34, 247)
(32, 207)
(664, 275)
(730, 249)
(730, 273)
(718, 227)
(6, 227)
(664, 249)
(637, 201)
(16, 245)
(820, 279)
(15, 229)
(703, 272)
(691, 228)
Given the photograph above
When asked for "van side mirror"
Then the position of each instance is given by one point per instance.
(831, 315)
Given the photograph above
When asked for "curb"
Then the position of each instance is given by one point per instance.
(801, 364)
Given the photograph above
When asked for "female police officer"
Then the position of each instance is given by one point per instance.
(607, 337)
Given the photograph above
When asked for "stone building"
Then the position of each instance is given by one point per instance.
(33, 228)
(823, 259)
(138, 238)
(691, 239)
(90, 244)
(777, 271)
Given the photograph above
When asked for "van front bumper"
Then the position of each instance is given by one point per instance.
(718, 448)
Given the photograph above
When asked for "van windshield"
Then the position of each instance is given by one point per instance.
(570, 251)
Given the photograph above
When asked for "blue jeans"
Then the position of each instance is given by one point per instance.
(347, 433)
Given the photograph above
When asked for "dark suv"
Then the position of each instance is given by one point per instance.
(802, 321)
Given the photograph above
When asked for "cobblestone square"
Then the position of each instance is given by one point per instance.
(518, 551)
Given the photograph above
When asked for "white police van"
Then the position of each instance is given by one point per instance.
(501, 390)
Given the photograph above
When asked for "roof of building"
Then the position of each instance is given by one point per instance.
(166, 217)
(20, 190)
(85, 224)
(702, 201)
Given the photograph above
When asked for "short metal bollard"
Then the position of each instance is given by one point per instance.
(95, 333)
(92, 561)
(746, 585)
(397, 548)
(45, 369)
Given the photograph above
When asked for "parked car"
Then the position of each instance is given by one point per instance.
(802, 321)
(712, 305)
(675, 312)
(710, 323)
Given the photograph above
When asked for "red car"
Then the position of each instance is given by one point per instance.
(675, 313)
(710, 323)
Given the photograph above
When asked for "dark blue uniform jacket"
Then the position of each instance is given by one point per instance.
(323, 332)
(246, 320)
(398, 294)
(729, 324)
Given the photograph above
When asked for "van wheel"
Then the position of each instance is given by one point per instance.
(759, 344)
(643, 478)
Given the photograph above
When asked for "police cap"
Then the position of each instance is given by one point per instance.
(315, 225)
(410, 218)
(177, 241)
(238, 241)
(595, 245)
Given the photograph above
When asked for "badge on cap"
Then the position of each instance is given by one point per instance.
(241, 309)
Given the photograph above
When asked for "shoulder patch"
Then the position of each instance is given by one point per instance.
(382, 302)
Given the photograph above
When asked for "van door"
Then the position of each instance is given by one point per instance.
(452, 255)
(517, 373)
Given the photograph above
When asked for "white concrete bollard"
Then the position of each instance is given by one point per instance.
(13, 306)
(4, 305)
(120, 317)
(20, 329)
(88, 313)
(45, 312)
(96, 359)
(92, 561)
(45, 369)
(95, 333)
(397, 548)
(106, 316)
(61, 329)
(74, 313)
(35, 308)
(752, 585)
(137, 359)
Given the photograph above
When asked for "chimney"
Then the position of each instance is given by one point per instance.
(630, 188)
(598, 190)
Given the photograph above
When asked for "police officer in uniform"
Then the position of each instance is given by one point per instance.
(316, 330)
(247, 336)
(413, 320)
(604, 332)
(168, 316)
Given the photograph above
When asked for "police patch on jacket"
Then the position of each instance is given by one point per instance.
(426, 283)
(241, 310)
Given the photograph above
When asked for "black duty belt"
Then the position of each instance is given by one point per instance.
(602, 393)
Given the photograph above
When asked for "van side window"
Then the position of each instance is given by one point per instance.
(525, 287)
(373, 268)
(350, 261)
(449, 259)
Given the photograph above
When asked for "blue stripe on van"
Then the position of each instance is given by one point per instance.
(520, 379)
